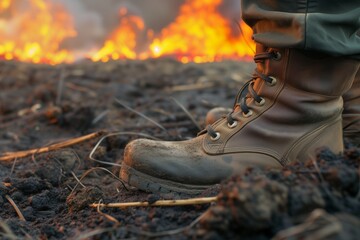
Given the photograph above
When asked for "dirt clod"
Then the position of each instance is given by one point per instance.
(50, 172)
(304, 198)
(83, 198)
(30, 185)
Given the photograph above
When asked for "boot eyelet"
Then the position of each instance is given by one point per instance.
(234, 124)
(273, 81)
(248, 114)
(217, 137)
(277, 56)
(261, 103)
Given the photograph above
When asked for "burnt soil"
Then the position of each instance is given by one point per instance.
(41, 105)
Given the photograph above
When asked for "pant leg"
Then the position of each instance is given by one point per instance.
(330, 26)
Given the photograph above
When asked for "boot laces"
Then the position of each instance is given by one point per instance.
(246, 92)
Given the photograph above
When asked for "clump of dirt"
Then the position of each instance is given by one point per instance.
(81, 199)
(318, 200)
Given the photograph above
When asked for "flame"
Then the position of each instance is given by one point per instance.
(34, 31)
(4, 4)
(122, 42)
(201, 34)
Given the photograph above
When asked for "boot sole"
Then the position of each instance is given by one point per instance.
(157, 185)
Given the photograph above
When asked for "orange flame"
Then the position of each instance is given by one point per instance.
(4, 4)
(122, 42)
(34, 32)
(201, 34)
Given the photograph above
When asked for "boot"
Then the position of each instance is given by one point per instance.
(351, 113)
(292, 107)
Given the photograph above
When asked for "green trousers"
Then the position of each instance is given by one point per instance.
(329, 26)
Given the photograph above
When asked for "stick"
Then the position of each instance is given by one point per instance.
(168, 203)
(140, 114)
(189, 87)
(187, 113)
(21, 154)
(21, 216)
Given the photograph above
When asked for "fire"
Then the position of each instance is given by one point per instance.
(201, 34)
(33, 30)
(122, 42)
(4, 4)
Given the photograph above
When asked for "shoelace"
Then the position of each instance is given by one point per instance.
(247, 91)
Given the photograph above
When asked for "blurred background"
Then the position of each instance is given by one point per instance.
(57, 31)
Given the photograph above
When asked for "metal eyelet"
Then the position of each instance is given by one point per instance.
(217, 137)
(277, 56)
(261, 103)
(248, 114)
(273, 81)
(234, 124)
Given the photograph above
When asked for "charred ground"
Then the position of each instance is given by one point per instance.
(41, 104)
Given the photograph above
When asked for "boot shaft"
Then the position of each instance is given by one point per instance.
(301, 111)
(311, 72)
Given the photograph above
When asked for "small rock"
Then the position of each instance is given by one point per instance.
(50, 172)
(42, 201)
(17, 196)
(30, 185)
(28, 213)
(68, 160)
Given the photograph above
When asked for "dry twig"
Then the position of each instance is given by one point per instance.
(189, 87)
(107, 216)
(91, 155)
(21, 216)
(140, 114)
(187, 113)
(21, 154)
(94, 169)
(77, 179)
(167, 203)
(6, 232)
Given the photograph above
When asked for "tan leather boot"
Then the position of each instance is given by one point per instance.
(351, 113)
(292, 108)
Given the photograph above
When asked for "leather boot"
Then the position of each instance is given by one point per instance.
(292, 107)
(351, 113)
